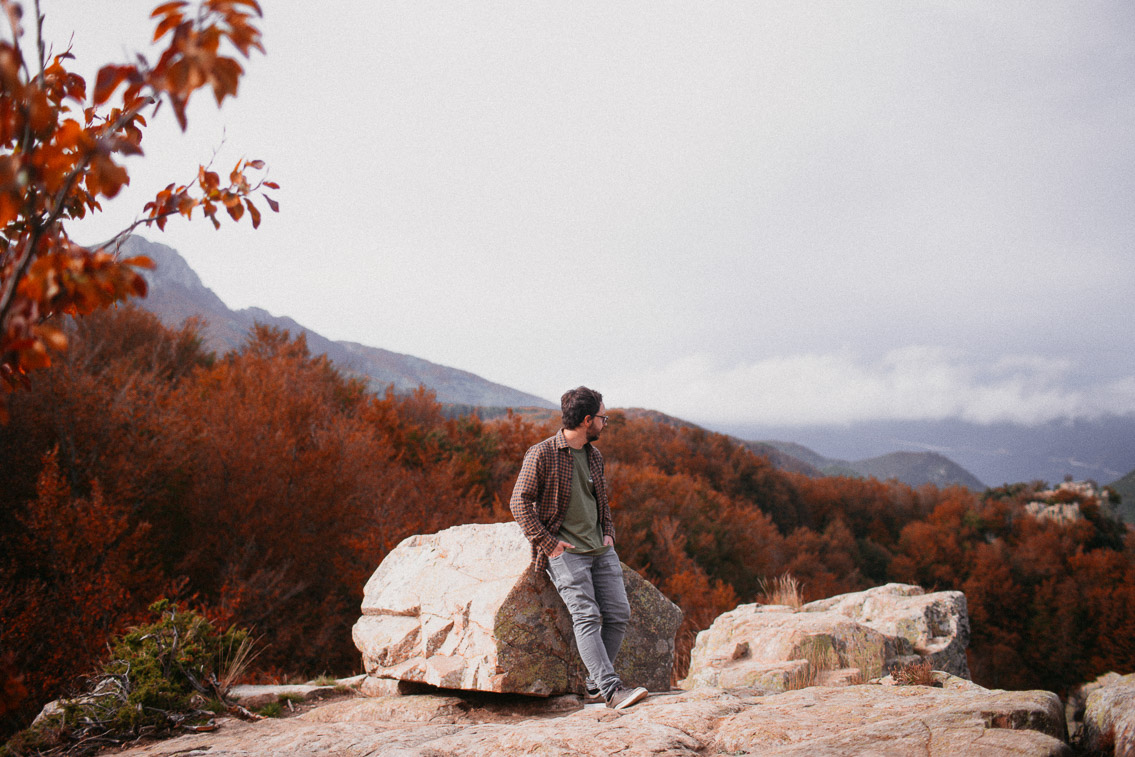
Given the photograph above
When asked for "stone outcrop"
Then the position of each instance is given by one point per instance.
(460, 609)
(848, 638)
(1077, 700)
(1109, 716)
(816, 722)
(255, 697)
(933, 626)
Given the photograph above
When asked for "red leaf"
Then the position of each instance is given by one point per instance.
(250, 3)
(272, 203)
(236, 210)
(171, 21)
(108, 79)
(138, 261)
(165, 8)
(252, 211)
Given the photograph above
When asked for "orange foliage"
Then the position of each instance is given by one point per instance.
(729, 538)
(67, 579)
(12, 689)
(63, 153)
(265, 487)
(721, 463)
(825, 564)
(1048, 602)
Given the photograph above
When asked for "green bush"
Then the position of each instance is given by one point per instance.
(272, 710)
(172, 673)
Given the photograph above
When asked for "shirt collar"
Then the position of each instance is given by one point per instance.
(561, 442)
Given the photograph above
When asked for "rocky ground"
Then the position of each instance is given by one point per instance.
(878, 672)
(958, 719)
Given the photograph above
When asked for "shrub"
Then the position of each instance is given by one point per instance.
(915, 674)
(173, 673)
(271, 710)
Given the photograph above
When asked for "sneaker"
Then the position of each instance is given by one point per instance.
(593, 694)
(622, 697)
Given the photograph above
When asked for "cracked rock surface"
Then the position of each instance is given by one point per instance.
(817, 722)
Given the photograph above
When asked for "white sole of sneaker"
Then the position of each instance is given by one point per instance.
(637, 695)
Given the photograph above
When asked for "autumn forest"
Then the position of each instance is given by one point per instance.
(263, 487)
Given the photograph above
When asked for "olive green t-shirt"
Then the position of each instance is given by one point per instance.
(581, 522)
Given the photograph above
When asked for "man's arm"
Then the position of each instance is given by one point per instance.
(525, 494)
(606, 522)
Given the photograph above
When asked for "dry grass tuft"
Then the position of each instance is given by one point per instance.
(915, 674)
(782, 590)
(235, 658)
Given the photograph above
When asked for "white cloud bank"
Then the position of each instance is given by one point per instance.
(911, 383)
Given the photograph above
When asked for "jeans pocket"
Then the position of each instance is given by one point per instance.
(553, 564)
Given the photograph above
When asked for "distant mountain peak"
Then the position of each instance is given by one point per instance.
(173, 268)
(177, 292)
(911, 468)
(916, 468)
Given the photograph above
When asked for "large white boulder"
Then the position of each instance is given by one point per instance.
(933, 625)
(843, 639)
(461, 609)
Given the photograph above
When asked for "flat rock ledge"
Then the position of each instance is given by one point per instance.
(256, 696)
(461, 609)
(849, 638)
(812, 722)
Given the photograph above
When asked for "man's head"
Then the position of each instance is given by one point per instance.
(582, 406)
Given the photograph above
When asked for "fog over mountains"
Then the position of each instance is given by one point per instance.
(915, 452)
(1101, 449)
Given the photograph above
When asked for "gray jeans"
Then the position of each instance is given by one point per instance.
(592, 588)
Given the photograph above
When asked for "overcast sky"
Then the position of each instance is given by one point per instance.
(768, 212)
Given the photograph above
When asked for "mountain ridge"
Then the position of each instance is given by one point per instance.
(911, 468)
(1125, 488)
(1100, 449)
(997, 455)
(177, 293)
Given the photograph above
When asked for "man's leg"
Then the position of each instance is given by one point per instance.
(611, 595)
(572, 575)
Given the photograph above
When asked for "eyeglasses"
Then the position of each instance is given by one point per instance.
(606, 419)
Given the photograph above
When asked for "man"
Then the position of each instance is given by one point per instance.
(560, 502)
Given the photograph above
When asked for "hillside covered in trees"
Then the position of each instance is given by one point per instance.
(263, 487)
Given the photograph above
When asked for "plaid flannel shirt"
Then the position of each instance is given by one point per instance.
(543, 490)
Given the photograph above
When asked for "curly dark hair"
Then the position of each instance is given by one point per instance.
(577, 404)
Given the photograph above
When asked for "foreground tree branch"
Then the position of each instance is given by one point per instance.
(62, 153)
